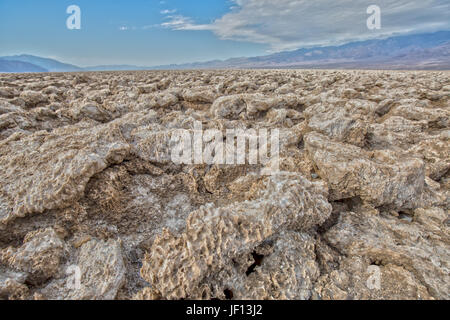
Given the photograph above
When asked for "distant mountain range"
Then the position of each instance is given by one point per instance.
(45, 64)
(422, 52)
(19, 66)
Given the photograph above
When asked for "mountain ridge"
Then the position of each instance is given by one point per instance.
(429, 51)
(51, 65)
(7, 66)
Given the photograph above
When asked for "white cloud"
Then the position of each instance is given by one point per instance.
(290, 24)
(166, 11)
(179, 22)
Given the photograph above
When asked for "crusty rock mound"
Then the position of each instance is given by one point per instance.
(93, 207)
(177, 265)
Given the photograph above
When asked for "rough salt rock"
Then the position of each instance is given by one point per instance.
(94, 112)
(264, 280)
(103, 179)
(45, 171)
(148, 89)
(198, 96)
(176, 265)
(101, 269)
(228, 107)
(40, 254)
(337, 123)
(396, 132)
(359, 279)
(413, 256)
(33, 98)
(251, 106)
(12, 285)
(164, 100)
(351, 171)
(436, 118)
(435, 152)
(8, 93)
(384, 107)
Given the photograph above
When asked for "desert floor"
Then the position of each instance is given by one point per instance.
(92, 205)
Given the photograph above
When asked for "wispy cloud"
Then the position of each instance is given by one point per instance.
(174, 22)
(290, 24)
(167, 11)
(179, 22)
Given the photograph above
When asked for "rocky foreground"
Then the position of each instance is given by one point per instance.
(92, 207)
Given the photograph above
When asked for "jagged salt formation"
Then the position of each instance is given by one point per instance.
(214, 236)
(88, 186)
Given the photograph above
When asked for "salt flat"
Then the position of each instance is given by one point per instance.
(92, 205)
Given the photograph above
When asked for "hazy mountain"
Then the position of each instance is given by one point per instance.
(404, 52)
(421, 51)
(124, 67)
(19, 66)
(50, 65)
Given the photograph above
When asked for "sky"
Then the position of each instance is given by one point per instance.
(155, 32)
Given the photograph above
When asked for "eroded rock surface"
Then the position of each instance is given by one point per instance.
(92, 205)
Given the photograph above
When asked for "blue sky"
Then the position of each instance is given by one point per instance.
(154, 32)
